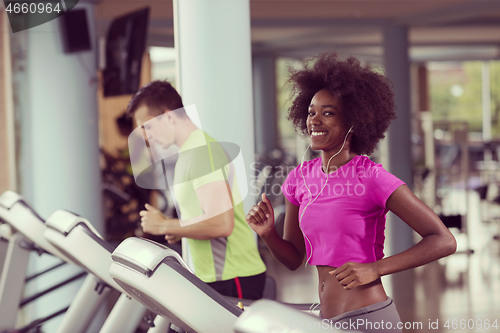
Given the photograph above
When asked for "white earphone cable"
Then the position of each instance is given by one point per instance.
(310, 193)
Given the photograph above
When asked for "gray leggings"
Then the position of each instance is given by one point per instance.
(376, 318)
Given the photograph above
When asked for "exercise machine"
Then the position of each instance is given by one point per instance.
(21, 234)
(270, 316)
(75, 236)
(158, 278)
(5, 233)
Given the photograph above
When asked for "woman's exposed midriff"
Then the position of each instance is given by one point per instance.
(335, 300)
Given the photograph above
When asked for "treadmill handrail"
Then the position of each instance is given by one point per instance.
(215, 295)
(8, 199)
(146, 250)
(133, 251)
(64, 221)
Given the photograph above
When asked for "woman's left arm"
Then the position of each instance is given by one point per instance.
(437, 242)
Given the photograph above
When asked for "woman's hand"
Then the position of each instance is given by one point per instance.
(351, 274)
(261, 217)
(153, 221)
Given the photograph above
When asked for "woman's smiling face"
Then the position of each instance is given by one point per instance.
(325, 122)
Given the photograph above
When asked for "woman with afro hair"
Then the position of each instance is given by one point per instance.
(336, 204)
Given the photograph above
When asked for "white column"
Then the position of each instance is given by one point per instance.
(59, 153)
(212, 39)
(60, 150)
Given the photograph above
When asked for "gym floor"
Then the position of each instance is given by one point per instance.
(460, 293)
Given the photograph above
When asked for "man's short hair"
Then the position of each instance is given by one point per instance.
(158, 96)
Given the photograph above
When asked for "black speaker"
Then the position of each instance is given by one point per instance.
(75, 31)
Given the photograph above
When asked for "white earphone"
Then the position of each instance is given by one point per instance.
(326, 182)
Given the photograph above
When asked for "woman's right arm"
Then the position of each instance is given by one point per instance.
(290, 249)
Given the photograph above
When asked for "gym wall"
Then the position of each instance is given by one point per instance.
(110, 108)
(7, 176)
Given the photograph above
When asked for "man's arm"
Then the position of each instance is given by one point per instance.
(216, 220)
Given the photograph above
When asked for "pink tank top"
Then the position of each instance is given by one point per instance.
(346, 220)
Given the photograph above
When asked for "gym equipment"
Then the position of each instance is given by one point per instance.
(270, 316)
(22, 218)
(5, 234)
(21, 233)
(81, 243)
(158, 278)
